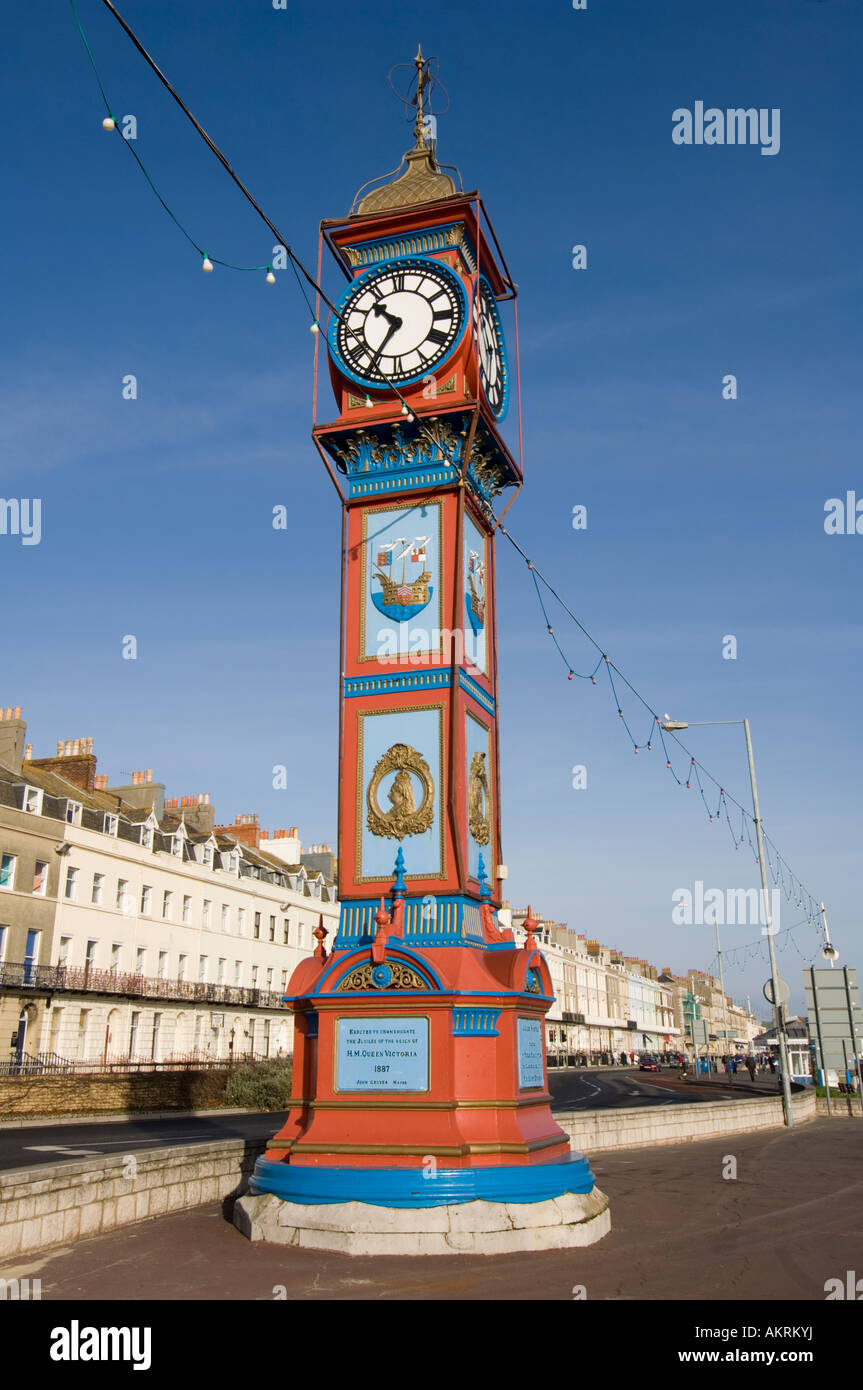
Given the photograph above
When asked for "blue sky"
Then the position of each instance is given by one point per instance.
(705, 516)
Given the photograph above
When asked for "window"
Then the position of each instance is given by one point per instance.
(177, 846)
(197, 1043)
(32, 800)
(90, 957)
(146, 898)
(147, 836)
(238, 971)
(286, 931)
(65, 943)
(157, 1026)
(205, 913)
(109, 825)
(272, 928)
(73, 813)
(221, 975)
(207, 856)
(254, 977)
(241, 921)
(7, 870)
(257, 930)
(181, 967)
(163, 964)
(284, 980)
(187, 908)
(226, 917)
(133, 1033)
(266, 1037)
(4, 936)
(140, 960)
(270, 978)
(202, 968)
(40, 878)
(96, 891)
(31, 957)
(122, 895)
(71, 890)
(115, 957)
(167, 905)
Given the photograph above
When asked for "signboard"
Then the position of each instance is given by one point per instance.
(530, 1054)
(700, 1032)
(835, 1017)
(382, 1054)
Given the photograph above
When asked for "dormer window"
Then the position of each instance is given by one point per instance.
(177, 846)
(207, 856)
(109, 825)
(73, 813)
(147, 836)
(233, 862)
(33, 800)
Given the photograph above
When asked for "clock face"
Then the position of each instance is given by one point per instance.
(398, 322)
(491, 359)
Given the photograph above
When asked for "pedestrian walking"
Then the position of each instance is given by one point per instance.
(750, 1067)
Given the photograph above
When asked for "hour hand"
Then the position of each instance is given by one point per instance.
(392, 319)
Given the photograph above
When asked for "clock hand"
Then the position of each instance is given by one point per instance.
(381, 313)
(395, 325)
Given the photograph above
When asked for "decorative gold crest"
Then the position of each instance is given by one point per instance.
(477, 800)
(404, 817)
(398, 977)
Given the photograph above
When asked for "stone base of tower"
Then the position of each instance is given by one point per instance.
(417, 1213)
(469, 1228)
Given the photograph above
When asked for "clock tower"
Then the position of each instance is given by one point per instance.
(420, 1081)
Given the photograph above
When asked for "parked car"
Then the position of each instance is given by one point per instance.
(649, 1064)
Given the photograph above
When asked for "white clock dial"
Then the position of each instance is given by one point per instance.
(399, 322)
(488, 340)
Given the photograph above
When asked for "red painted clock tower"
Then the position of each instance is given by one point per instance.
(419, 1038)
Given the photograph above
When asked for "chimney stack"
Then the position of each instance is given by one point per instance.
(13, 730)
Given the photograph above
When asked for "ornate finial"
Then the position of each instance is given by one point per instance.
(531, 926)
(321, 934)
(379, 945)
(484, 890)
(423, 79)
(400, 887)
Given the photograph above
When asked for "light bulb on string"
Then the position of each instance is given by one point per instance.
(207, 265)
(369, 403)
(270, 277)
(315, 327)
(108, 123)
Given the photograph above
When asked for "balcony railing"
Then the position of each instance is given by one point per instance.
(23, 975)
(48, 1063)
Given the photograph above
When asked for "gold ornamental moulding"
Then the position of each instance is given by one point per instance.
(477, 799)
(404, 816)
(401, 977)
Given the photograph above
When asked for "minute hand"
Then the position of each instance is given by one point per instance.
(395, 325)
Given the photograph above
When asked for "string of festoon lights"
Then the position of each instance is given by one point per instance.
(692, 773)
(695, 772)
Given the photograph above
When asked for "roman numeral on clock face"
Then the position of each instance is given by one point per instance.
(437, 336)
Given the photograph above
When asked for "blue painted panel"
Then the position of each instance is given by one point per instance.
(382, 1054)
(421, 1187)
(475, 1023)
(477, 741)
(392, 632)
(530, 1054)
(421, 729)
(476, 588)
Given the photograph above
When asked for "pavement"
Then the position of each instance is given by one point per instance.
(791, 1219)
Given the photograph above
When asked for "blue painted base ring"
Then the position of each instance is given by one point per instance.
(420, 1187)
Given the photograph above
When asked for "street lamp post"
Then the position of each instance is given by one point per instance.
(671, 726)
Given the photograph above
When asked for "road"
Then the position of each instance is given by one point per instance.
(570, 1090)
(599, 1090)
(26, 1148)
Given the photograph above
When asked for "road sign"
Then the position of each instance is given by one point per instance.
(784, 991)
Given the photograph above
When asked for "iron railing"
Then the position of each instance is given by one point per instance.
(24, 975)
(49, 1063)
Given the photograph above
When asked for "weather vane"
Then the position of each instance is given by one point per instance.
(421, 86)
